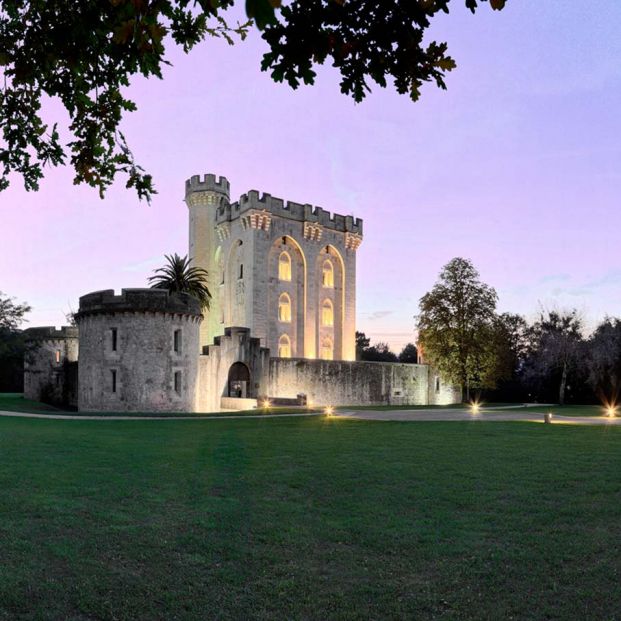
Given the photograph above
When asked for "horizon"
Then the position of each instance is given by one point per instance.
(532, 133)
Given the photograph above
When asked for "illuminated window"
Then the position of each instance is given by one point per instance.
(57, 355)
(284, 347)
(284, 308)
(328, 274)
(284, 266)
(327, 349)
(327, 313)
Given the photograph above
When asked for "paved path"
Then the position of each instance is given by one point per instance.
(456, 414)
(500, 414)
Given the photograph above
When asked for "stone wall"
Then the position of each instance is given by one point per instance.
(49, 364)
(128, 359)
(349, 383)
(214, 366)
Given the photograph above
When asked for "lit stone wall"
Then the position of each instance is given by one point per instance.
(145, 361)
(48, 352)
(349, 383)
(252, 232)
(214, 366)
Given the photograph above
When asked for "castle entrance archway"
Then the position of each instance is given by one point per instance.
(239, 381)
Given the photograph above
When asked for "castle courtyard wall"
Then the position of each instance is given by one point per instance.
(338, 382)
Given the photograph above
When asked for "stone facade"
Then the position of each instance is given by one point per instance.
(49, 364)
(281, 324)
(138, 351)
(285, 270)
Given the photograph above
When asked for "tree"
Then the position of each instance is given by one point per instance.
(12, 345)
(85, 53)
(362, 343)
(181, 277)
(557, 348)
(604, 360)
(380, 352)
(409, 354)
(456, 327)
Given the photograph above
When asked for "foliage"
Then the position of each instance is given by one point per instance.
(85, 53)
(362, 343)
(456, 327)
(12, 345)
(178, 276)
(380, 352)
(604, 360)
(409, 354)
(557, 349)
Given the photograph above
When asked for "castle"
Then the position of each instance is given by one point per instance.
(281, 322)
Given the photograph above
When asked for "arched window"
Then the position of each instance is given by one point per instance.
(284, 308)
(327, 313)
(284, 266)
(327, 349)
(284, 347)
(327, 274)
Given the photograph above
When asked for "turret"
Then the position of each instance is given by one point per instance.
(204, 196)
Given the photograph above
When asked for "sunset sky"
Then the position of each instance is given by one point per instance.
(516, 166)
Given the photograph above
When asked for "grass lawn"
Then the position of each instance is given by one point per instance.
(308, 518)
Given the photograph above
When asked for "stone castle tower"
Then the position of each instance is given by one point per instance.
(286, 271)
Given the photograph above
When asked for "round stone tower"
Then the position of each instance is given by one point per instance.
(204, 197)
(138, 351)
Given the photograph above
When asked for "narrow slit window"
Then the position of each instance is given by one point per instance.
(113, 378)
(114, 336)
(177, 341)
(177, 382)
(57, 356)
(241, 270)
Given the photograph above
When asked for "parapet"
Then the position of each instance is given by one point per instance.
(290, 210)
(209, 183)
(137, 300)
(44, 333)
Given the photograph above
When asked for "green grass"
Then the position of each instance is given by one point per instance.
(308, 518)
(15, 402)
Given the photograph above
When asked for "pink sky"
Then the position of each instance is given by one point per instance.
(517, 167)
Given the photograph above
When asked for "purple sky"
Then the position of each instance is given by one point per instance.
(517, 167)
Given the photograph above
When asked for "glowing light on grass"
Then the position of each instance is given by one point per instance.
(475, 407)
(329, 410)
(266, 404)
(610, 408)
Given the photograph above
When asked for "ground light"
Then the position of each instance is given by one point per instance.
(611, 410)
(475, 407)
(329, 410)
(266, 404)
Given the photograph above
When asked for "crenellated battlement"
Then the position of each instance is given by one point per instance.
(208, 183)
(137, 300)
(289, 209)
(45, 333)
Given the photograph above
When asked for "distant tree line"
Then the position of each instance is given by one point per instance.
(380, 351)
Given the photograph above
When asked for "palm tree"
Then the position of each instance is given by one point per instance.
(181, 277)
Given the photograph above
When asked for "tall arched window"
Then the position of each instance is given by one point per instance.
(284, 266)
(284, 347)
(327, 349)
(327, 313)
(284, 308)
(327, 274)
